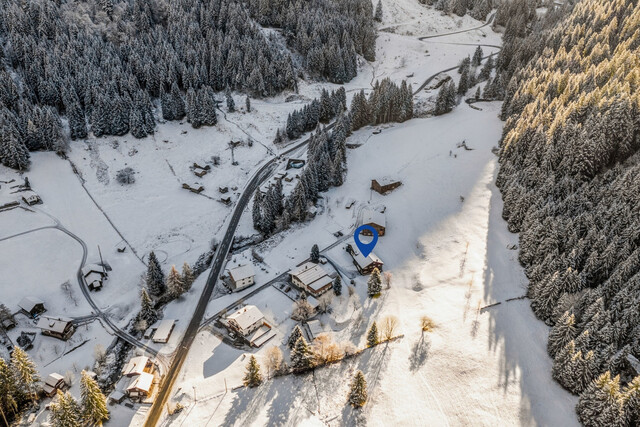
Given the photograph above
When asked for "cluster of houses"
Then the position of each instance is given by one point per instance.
(136, 382)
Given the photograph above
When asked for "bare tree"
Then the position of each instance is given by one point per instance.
(302, 310)
(324, 302)
(388, 326)
(99, 354)
(348, 348)
(387, 278)
(426, 324)
(273, 360)
(69, 378)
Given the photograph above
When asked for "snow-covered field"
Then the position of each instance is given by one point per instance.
(446, 248)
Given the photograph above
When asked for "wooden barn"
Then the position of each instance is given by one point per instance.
(385, 185)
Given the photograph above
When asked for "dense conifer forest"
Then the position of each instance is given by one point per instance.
(569, 178)
(71, 68)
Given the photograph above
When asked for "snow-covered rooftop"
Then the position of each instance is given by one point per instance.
(246, 316)
(89, 268)
(365, 262)
(28, 303)
(53, 324)
(141, 382)
(312, 275)
(135, 366)
(373, 217)
(242, 272)
(164, 330)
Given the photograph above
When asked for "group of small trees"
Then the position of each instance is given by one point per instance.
(326, 165)
(477, 9)
(323, 110)
(19, 385)
(91, 410)
(175, 285)
(388, 102)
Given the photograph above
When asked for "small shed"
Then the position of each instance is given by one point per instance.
(31, 198)
(242, 276)
(226, 200)
(223, 190)
(116, 397)
(32, 306)
(385, 185)
(163, 333)
(56, 327)
(53, 383)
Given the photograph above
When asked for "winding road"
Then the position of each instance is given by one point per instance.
(259, 177)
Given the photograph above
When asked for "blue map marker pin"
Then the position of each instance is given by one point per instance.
(365, 248)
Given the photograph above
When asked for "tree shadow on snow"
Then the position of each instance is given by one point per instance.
(419, 354)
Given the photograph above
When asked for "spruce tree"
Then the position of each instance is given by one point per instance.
(155, 276)
(147, 312)
(337, 285)
(231, 105)
(477, 56)
(13, 152)
(301, 356)
(601, 404)
(293, 338)
(373, 338)
(560, 335)
(632, 402)
(175, 286)
(252, 376)
(315, 254)
(358, 390)
(26, 372)
(378, 13)
(94, 403)
(187, 276)
(9, 392)
(65, 411)
(247, 103)
(374, 284)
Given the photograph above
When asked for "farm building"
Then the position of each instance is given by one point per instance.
(365, 265)
(53, 383)
(385, 185)
(136, 366)
(94, 276)
(31, 198)
(376, 220)
(311, 277)
(32, 306)
(56, 327)
(163, 333)
(140, 386)
(242, 276)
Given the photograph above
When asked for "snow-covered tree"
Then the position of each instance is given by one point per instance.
(147, 312)
(373, 338)
(155, 276)
(247, 103)
(175, 286)
(26, 371)
(315, 254)
(187, 276)
(301, 356)
(252, 376)
(378, 13)
(601, 404)
(337, 285)
(231, 105)
(274, 360)
(358, 390)
(9, 392)
(94, 403)
(293, 338)
(374, 284)
(65, 411)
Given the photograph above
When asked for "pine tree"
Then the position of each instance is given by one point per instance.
(252, 377)
(293, 338)
(65, 411)
(560, 335)
(463, 84)
(147, 312)
(155, 276)
(175, 287)
(358, 390)
(301, 356)
(477, 56)
(231, 105)
(26, 371)
(9, 391)
(373, 338)
(601, 404)
(247, 102)
(375, 283)
(632, 402)
(187, 276)
(337, 285)
(315, 254)
(94, 404)
(13, 152)
(378, 14)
